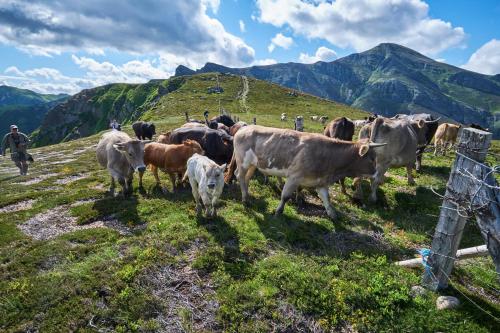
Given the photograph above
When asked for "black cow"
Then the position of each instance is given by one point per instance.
(431, 125)
(224, 119)
(218, 145)
(340, 128)
(144, 130)
(479, 127)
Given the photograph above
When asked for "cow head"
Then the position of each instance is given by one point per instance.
(133, 150)
(214, 174)
(195, 146)
(164, 137)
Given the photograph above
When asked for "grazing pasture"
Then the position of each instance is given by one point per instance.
(149, 263)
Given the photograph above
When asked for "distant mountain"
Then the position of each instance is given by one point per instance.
(388, 79)
(25, 108)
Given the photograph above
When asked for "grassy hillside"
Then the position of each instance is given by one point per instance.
(73, 258)
(167, 100)
(25, 108)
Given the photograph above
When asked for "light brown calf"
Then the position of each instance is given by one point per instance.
(171, 159)
(446, 134)
(164, 138)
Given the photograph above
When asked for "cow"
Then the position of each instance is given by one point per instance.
(479, 127)
(217, 145)
(207, 181)
(314, 118)
(304, 159)
(144, 130)
(323, 119)
(367, 120)
(169, 158)
(224, 119)
(283, 117)
(121, 155)
(164, 137)
(431, 125)
(402, 136)
(446, 134)
(340, 128)
(236, 127)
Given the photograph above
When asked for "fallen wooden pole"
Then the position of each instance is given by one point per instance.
(470, 252)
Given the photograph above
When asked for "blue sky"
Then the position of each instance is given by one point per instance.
(53, 46)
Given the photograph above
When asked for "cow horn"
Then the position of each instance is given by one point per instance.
(376, 144)
(432, 121)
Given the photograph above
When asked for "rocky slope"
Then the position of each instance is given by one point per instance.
(387, 79)
(25, 108)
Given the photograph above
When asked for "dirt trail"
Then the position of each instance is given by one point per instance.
(244, 93)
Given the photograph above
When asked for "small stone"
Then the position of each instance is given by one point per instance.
(447, 302)
(417, 291)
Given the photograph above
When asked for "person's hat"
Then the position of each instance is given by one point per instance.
(13, 127)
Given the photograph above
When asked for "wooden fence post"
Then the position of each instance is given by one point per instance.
(255, 121)
(473, 145)
(187, 116)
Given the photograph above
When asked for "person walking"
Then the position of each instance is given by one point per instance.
(17, 142)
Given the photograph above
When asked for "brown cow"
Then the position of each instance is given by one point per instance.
(446, 134)
(305, 159)
(164, 138)
(236, 127)
(169, 158)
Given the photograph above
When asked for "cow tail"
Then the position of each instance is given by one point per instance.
(230, 170)
(185, 177)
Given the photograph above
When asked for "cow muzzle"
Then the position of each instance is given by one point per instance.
(211, 186)
(141, 168)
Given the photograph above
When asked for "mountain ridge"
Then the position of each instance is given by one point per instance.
(388, 79)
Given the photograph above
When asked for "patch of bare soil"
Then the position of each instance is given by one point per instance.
(82, 202)
(71, 178)
(38, 179)
(346, 242)
(188, 300)
(58, 221)
(22, 205)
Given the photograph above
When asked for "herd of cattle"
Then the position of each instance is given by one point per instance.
(200, 151)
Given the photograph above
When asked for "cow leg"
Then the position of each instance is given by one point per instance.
(325, 197)
(243, 185)
(113, 185)
(141, 173)
(436, 145)
(358, 193)
(409, 169)
(123, 183)
(287, 192)
(196, 194)
(376, 181)
(207, 202)
(154, 169)
(173, 180)
(249, 174)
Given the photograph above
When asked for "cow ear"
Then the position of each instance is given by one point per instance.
(363, 150)
(421, 123)
(119, 146)
(223, 167)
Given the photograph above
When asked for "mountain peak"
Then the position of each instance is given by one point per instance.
(183, 70)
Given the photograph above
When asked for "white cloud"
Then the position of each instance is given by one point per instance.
(362, 24)
(322, 54)
(242, 26)
(50, 27)
(486, 59)
(281, 41)
(264, 62)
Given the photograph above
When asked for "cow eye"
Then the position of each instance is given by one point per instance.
(130, 154)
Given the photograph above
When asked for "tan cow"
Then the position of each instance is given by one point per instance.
(446, 134)
(304, 159)
(171, 159)
(164, 138)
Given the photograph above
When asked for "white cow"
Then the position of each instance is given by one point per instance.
(283, 117)
(207, 181)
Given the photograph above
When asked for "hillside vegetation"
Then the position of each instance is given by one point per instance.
(25, 108)
(91, 110)
(388, 79)
(72, 258)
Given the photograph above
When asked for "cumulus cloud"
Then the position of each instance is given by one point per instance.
(281, 41)
(322, 54)
(486, 59)
(362, 24)
(242, 26)
(50, 27)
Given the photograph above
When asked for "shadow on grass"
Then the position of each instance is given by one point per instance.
(125, 209)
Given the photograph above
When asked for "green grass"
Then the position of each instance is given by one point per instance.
(287, 273)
